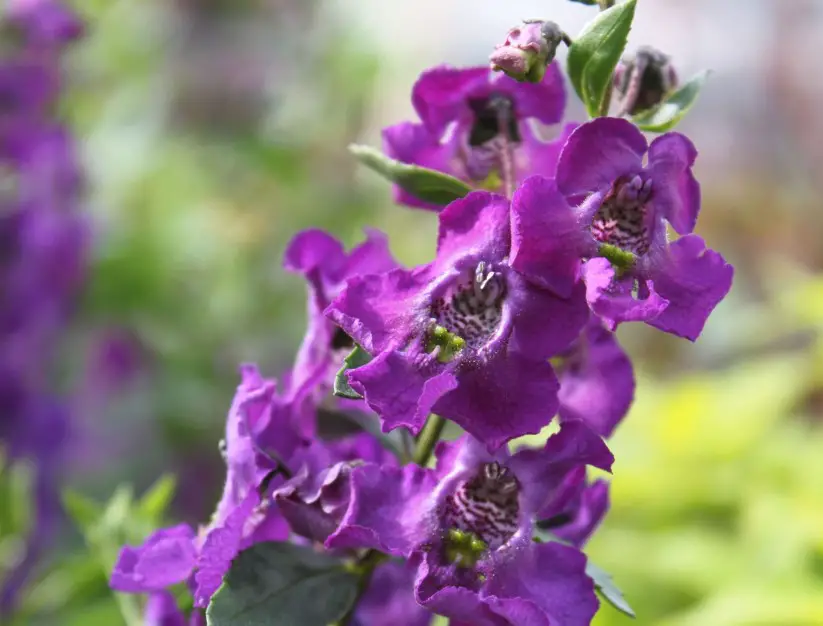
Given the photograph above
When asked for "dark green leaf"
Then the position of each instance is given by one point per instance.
(283, 584)
(429, 185)
(596, 52)
(604, 584)
(356, 358)
(668, 113)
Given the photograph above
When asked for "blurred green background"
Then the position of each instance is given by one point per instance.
(212, 131)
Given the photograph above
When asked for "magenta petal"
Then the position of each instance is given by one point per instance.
(161, 610)
(552, 577)
(544, 101)
(413, 143)
(694, 280)
(475, 225)
(546, 237)
(388, 509)
(611, 299)
(461, 605)
(597, 381)
(507, 397)
(574, 446)
(399, 391)
(676, 191)
(540, 157)
(313, 249)
(166, 558)
(439, 95)
(378, 311)
(597, 153)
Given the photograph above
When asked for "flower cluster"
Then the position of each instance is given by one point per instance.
(509, 326)
(42, 257)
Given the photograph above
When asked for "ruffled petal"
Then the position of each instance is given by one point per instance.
(166, 558)
(542, 471)
(612, 300)
(413, 143)
(439, 96)
(507, 397)
(587, 515)
(399, 391)
(389, 599)
(597, 380)
(597, 153)
(547, 240)
(477, 225)
(693, 279)
(380, 311)
(388, 510)
(544, 101)
(162, 610)
(676, 190)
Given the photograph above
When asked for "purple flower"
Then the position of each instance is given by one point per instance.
(673, 286)
(326, 266)
(45, 22)
(162, 610)
(596, 380)
(577, 508)
(467, 336)
(467, 525)
(389, 599)
(490, 143)
(166, 558)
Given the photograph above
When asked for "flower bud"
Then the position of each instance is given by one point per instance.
(644, 81)
(528, 49)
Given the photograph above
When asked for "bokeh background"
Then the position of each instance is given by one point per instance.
(213, 130)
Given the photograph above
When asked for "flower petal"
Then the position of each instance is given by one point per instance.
(676, 191)
(597, 153)
(547, 240)
(537, 157)
(166, 558)
(388, 509)
(439, 96)
(476, 225)
(612, 300)
(597, 380)
(506, 397)
(389, 599)
(401, 392)
(162, 610)
(587, 515)
(413, 143)
(694, 279)
(542, 471)
(544, 101)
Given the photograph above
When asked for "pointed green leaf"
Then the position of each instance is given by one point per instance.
(283, 584)
(429, 185)
(605, 585)
(668, 113)
(83, 511)
(356, 358)
(156, 500)
(596, 52)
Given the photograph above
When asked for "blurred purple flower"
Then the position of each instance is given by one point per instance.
(476, 126)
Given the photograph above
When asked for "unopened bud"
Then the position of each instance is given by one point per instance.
(528, 49)
(644, 81)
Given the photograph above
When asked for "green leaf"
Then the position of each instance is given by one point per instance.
(156, 500)
(356, 358)
(604, 584)
(284, 584)
(428, 185)
(83, 511)
(668, 113)
(596, 52)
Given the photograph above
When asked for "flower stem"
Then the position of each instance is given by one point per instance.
(428, 439)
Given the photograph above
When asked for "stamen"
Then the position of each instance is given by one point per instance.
(621, 219)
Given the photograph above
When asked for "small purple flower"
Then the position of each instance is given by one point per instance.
(166, 558)
(642, 82)
(476, 126)
(596, 380)
(468, 526)
(672, 286)
(467, 336)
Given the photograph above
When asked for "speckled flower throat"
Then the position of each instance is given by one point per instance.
(491, 137)
(474, 307)
(486, 505)
(621, 219)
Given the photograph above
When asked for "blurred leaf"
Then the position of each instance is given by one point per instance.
(282, 584)
(156, 500)
(596, 52)
(668, 113)
(356, 358)
(83, 511)
(428, 185)
(605, 585)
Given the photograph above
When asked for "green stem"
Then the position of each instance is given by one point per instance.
(428, 439)
(603, 111)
